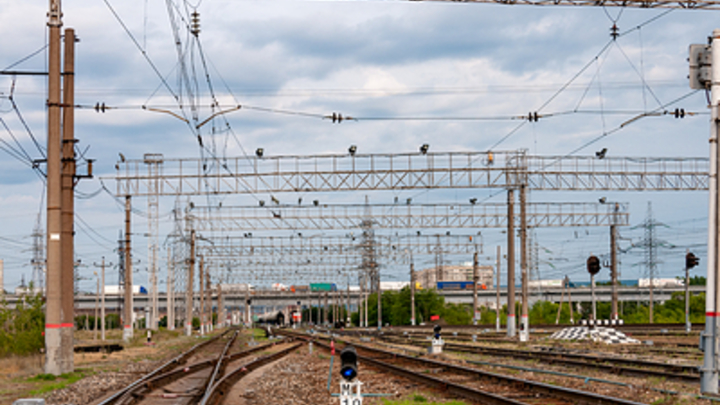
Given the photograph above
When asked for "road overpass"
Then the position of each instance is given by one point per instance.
(268, 300)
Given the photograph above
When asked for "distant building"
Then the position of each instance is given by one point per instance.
(428, 278)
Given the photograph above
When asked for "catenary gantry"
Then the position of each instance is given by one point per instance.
(401, 216)
(453, 170)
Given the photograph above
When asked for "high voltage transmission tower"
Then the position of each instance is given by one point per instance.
(649, 245)
(38, 260)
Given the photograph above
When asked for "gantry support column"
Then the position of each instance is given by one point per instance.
(189, 287)
(128, 318)
(412, 294)
(511, 265)
(201, 275)
(614, 265)
(476, 278)
(524, 321)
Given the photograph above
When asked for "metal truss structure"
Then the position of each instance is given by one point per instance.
(290, 247)
(685, 5)
(402, 216)
(454, 170)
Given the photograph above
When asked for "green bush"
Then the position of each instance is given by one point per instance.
(22, 328)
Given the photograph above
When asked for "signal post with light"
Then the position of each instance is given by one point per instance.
(437, 341)
(593, 267)
(350, 386)
(690, 261)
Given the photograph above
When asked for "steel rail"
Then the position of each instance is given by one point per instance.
(215, 394)
(678, 372)
(180, 359)
(220, 364)
(174, 375)
(575, 396)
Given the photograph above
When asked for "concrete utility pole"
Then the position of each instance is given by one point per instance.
(379, 298)
(67, 244)
(201, 278)
(711, 336)
(221, 307)
(102, 295)
(511, 265)
(248, 319)
(524, 321)
(325, 312)
(102, 300)
(56, 361)
(412, 293)
(688, 325)
(614, 264)
(189, 287)
(128, 321)
(170, 295)
(348, 319)
(209, 311)
(476, 278)
(497, 291)
(97, 297)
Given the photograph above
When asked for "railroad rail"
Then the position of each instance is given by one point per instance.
(509, 387)
(174, 362)
(217, 393)
(616, 365)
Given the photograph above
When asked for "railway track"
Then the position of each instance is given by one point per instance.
(197, 382)
(175, 362)
(471, 383)
(615, 365)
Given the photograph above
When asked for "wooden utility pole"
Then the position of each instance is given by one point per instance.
(511, 264)
(189, 287)
(128, 321)
(56, 360)
(68, 199)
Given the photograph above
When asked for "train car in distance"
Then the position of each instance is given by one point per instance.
(118, 290)
(274, 317)
(455, 285)
(299, 288)
(323, 287)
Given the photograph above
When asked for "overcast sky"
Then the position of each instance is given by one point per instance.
(369, 59)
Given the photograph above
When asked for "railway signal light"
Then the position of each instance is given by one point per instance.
(593, 265)
(436, 331)
(348, 367)
(691, 260)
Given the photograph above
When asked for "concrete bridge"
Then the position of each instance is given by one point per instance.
(263, 301)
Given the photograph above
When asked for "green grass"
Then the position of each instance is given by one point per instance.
(52, 383)
(259, 334)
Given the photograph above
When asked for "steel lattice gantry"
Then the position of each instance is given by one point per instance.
(456, 170)
(690, 5)
(289, 247)
(401, 216)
